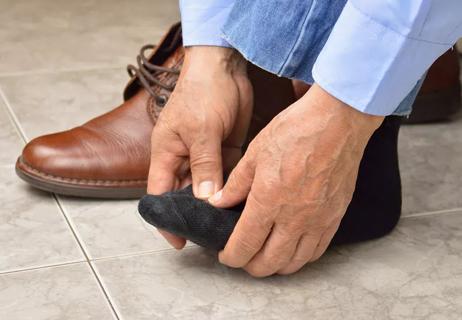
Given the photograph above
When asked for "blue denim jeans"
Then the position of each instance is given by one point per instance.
(286, 37)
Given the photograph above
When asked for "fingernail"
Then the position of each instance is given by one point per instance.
(216, 197)
(206, 189)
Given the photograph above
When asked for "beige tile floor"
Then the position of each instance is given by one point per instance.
(62, 62)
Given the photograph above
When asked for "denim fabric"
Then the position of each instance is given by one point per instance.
(286, 37)
(405, 107)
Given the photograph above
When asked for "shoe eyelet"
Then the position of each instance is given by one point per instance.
(161, 100)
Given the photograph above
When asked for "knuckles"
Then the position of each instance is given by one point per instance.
(244, 247)
(258, 272)
(202, 160)
(268, 265)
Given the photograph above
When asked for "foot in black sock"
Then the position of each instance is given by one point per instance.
(182, 214)
(373, 212)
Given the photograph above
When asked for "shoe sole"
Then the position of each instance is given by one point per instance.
(78, 187)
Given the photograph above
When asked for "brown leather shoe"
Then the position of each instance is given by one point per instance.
(439, 99)
(108, 157)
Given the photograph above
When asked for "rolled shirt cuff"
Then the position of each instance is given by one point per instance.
(369, 66)
(202, 21)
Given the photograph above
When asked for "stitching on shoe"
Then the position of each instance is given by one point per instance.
(82, 181)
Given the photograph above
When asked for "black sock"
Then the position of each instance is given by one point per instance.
(180, 213)
(373, 212)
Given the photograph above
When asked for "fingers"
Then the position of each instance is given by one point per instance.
(275, 254)
(161, 177)
(161, 181)
(325, 240)
(248, 236)
(164, 171)
(310, 248)
(175, 241)
(237, 187)
(166, 160)
(206, 166)
(304, 252)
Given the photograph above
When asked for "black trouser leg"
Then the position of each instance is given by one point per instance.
(376, 205)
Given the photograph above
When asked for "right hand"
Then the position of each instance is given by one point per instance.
(203, 126)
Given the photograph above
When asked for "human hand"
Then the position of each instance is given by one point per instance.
(298, 176)
(205, 120)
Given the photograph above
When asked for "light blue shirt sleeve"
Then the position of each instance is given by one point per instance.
(378, 50)
(202, 21)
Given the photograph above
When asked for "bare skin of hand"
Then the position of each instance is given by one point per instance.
(205, 120)
(298, 176)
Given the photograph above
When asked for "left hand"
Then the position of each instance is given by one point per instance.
(298, 176)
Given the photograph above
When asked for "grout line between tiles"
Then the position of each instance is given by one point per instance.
(87, 257)
(14, 119)
(80, 243)
(114, 307)
(148, 252)
(46, 266)
(72, 227)
(188, 247)
(431, 213)
(141, 253)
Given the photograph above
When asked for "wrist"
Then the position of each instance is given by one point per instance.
(332, 106)
(223, 59)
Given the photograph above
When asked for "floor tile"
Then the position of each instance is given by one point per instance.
(10, 141)
(414, 273)
(431, 166)
(55, 102)
(50, 35)
(33, 231)
(66, 292)
(111, 228)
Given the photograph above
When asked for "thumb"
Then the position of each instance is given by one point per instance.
(237, 187)
(206, 167)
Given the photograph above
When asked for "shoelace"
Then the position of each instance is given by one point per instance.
(147, 74)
